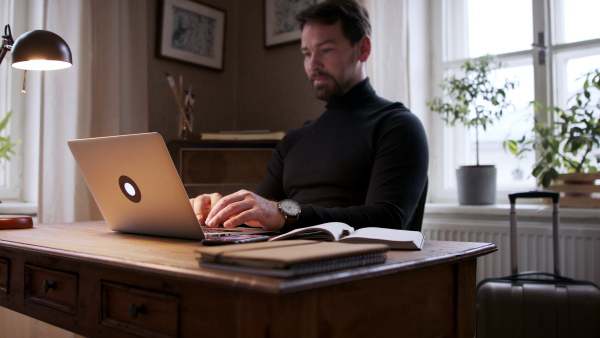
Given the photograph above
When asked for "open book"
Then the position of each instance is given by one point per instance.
(341, 232)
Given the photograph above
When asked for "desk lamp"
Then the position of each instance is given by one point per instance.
(34, 50)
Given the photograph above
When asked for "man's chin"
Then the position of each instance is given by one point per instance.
(325, 94)
(321, 95)
(322, 92)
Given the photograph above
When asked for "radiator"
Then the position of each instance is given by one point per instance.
(579, 245)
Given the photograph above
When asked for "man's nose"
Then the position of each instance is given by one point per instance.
(315, 64)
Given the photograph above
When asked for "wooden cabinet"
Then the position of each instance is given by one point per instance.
(221, 166)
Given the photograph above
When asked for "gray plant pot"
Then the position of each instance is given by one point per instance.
(476, 185)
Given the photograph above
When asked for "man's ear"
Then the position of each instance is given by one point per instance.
(364, 48)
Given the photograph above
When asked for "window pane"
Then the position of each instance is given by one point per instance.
(511, 173)
(570, 67)
(576, 68)
(497, 27)
(576, 20)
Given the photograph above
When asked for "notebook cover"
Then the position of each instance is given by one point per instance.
(285, 253)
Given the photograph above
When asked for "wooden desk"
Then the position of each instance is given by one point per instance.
(84, 278)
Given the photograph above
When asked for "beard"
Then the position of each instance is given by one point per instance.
(328, 91)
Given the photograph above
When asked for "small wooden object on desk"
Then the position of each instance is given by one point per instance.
(19, 222)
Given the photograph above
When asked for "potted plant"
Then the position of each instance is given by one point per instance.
(568, 145)
(474, 101)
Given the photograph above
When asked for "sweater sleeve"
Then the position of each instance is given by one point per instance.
(272, 185)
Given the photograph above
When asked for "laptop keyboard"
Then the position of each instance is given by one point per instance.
(213, 230)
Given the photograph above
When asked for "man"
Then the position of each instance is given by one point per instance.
(363, 162)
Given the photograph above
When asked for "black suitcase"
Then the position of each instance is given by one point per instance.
(537, 304)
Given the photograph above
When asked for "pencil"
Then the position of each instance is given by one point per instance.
(177, 96)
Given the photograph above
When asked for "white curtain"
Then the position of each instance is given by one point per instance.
(389, 62)
(104, 93)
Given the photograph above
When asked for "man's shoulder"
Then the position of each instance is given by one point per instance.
(297, 132)
(386, 109)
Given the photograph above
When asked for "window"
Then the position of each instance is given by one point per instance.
(570, 46)
(18, 177)
(9, 181)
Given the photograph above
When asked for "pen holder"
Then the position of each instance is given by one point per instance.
(185, 125)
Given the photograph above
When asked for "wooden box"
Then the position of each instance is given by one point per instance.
(578, 190)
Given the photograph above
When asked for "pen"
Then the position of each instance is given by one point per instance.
(181, 86)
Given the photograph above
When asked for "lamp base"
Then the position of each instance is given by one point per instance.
(20, 222)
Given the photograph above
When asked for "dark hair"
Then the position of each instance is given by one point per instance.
(354, 18)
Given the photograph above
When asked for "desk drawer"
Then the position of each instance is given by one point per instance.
(139, 311)
(52, 288)
(4, 275)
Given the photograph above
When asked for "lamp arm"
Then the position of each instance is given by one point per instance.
(7, 42)
(2, 54)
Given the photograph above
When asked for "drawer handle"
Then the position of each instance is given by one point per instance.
(48, 286)
(135, 310)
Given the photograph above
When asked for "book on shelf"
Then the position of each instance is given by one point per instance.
(291, 258)
(341, 232)
(243, 135)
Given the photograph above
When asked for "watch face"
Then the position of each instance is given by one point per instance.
(290, 208)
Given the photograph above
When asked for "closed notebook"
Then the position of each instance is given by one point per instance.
(291, 258)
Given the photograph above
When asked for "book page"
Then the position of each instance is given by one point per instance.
(387, 234)
(332, 231)
(400, 239)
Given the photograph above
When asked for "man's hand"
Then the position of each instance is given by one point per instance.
(242, 207)
(203, 204)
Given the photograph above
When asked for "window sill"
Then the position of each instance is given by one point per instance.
(18, 208)
(502, 211)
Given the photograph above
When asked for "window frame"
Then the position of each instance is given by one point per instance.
(450, 148)
(23, 16)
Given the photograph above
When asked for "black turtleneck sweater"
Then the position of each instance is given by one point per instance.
(363, 162)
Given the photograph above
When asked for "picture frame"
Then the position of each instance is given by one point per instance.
(192, 32)
(281, 26)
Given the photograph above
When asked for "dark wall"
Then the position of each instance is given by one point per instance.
(258, 88)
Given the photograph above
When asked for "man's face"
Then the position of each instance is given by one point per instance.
(330, 61)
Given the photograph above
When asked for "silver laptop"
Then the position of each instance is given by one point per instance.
(137, 188)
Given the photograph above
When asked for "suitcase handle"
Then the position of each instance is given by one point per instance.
(534, 194)
(513, 225)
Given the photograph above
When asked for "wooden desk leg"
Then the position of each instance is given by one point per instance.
(465, 274)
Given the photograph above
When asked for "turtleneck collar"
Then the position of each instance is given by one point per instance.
(358, 94)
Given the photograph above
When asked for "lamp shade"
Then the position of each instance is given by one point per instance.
(41, 50)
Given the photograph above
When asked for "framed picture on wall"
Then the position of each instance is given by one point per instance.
(280, 20)
(192, 32)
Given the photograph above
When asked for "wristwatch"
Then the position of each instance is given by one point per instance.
(290, 210)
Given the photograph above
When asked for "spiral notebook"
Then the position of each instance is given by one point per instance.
(291, 258)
